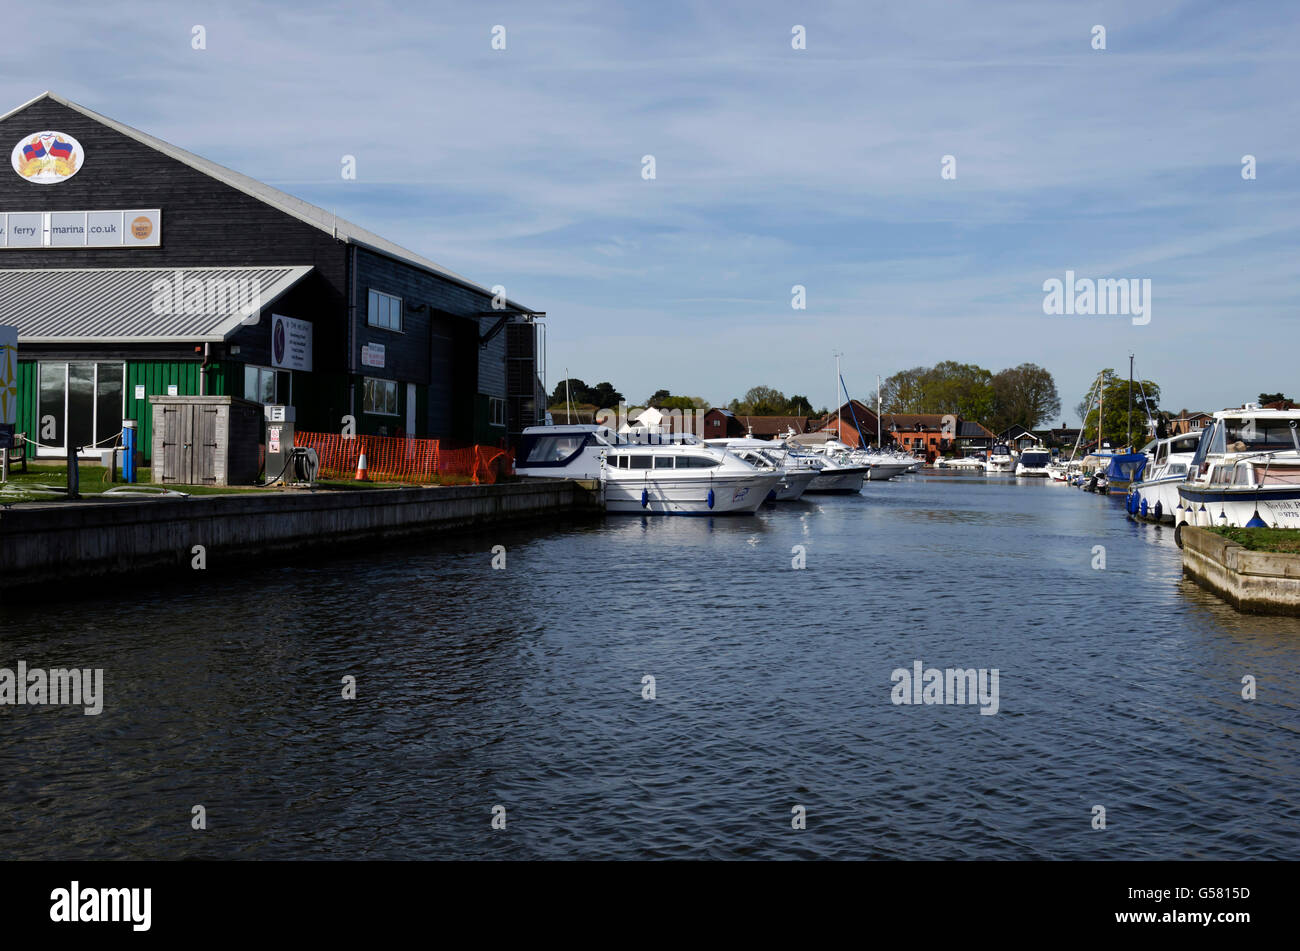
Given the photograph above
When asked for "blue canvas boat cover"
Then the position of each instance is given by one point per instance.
(1126, 467)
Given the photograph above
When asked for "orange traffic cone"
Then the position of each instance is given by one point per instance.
(361, 470)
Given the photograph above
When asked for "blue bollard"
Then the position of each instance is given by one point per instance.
(128, 453)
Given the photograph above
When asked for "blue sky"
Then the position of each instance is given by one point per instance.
(774, 167)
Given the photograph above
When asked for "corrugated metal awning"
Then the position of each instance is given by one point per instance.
(139, 305)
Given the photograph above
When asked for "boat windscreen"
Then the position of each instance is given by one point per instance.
(540, 449)
(1259, 435)
(1035, 460)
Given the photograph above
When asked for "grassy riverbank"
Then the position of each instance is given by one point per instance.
(1285, 540)
(35, 484)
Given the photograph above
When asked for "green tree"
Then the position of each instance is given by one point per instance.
(1023, 396)
(1272, 398)
(577, 392)
(962, 389)
(760, 401)
(798, 406)
(1118, 415)
(604, 395)
(683, 403)
(904, 391)
(659, 395)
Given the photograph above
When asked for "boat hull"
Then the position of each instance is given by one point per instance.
(793, 485)
(668, 495)
(1211, 506)
(1162, 491)
(838, 481)
(884, 471)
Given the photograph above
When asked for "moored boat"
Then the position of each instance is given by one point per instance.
(1033, 462)
(1155, 497)
(1000, 460)
(1246, 471)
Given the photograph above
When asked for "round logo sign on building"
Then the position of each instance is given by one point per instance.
(278, 341)
(47, 158)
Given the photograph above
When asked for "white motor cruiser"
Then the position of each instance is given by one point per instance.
(762, 454)
(1000, 459)
(564, 452)
(1156, 496)
(836, 472)
(1034, 462)
(1245, 472)
(686, 478)
(678, 476)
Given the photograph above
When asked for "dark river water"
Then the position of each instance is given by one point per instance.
(523, 688)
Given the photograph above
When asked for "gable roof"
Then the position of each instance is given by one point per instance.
(326, 221)
(969, 429)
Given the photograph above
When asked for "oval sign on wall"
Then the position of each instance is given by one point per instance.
(47, 158)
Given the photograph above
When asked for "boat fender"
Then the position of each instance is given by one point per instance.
(645, 498)
(1157, 509)
(1144, 508)
(710, 498)
(1256, 521)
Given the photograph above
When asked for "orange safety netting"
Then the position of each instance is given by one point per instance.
(405, 459)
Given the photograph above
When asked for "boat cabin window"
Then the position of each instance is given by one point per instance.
(1260, 434)
(696, 462)
(639, 462)
(1034, 460)
(1176, 468)
(663, 462)
(545, 450)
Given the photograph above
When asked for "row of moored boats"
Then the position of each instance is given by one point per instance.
(1241, 471)
(682, 474)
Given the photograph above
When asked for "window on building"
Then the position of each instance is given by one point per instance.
(380, 397)
(497, 411)
(385, 311)
(85, 402)
(264, 385)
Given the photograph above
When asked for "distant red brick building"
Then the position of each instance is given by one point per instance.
(842, 424)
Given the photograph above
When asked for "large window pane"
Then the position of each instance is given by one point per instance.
(53, 380)
(266, 386)
(108, 401)
(251, 392)
(81, 403)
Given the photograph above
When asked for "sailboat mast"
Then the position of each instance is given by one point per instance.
(1130, 401)
(1101, 405)
(839, 430)
(1092, 390)
(879, 437)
